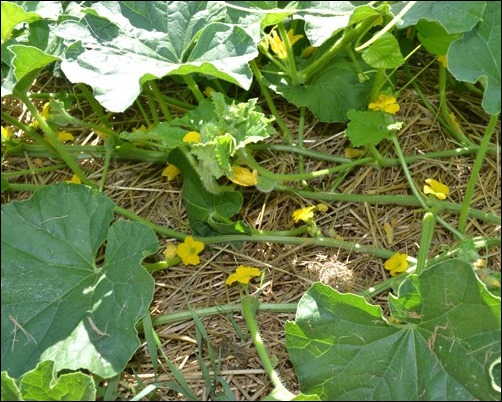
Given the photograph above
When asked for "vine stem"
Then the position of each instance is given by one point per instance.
(58, 146)
(249, 308)
(417, 193)
(271, 105)
(476, 168)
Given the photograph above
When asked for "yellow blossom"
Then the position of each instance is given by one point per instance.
(308, 51)
(189, 251)
(443, 60)
(303, 214)
(244, 177)
(65, 136)
(43, 114)
(322, 207)
(171, 171)
(242, 274)
(170, 251)
(352, 153)
(396, 264)
(74, 180)
(385, 103)
(7, 133)
(192, 136)
(209, 91)
(278, 46)
(436, 188)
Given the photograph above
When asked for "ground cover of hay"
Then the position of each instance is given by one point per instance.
(290, 270)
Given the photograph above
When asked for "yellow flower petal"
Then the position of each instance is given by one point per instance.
(322, 207)
(244, 177)
(189, 251)
(293, 38)
(170, 251)
(7, 133)
(209, 91)
(192, 136)
(353, 152)
(385, 103)
(308, 51)
(74, 180)
(171, 172)
(43, 114)
(436, 188)
(243, 274)
(443, 60)
(277, 45)
(65, 136)
(397, 263)
(303, 214)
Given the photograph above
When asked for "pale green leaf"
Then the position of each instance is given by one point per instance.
(12, 16)
(57, 302)
(42, 384)
(9, 389)
(454, 16)
(120, 45)
(383, 53)
(323, 19)
(27, 62)
(476, 57)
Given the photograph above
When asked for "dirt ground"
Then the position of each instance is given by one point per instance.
(290, 270)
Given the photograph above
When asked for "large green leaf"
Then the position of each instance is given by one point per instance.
(119, 45)
(324, 18)
(454, 16)
(42, 384)
(331, 93)
(58, 303)
(343, 348)
(476, 56)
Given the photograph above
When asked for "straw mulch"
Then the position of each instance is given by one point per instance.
(290, 270)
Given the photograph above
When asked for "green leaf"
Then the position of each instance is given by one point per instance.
(9, 388)
(27, 62)
(253, 17)
(57, 302)
(208, 213)
(324, 18)
(118, 46)
(369, 127)
(42, 384)
(330, 94)
(13, 15)
(476, 57)
(343, 348)
(384, 53)
(454, 16)
(434, 37)
(225, 127)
